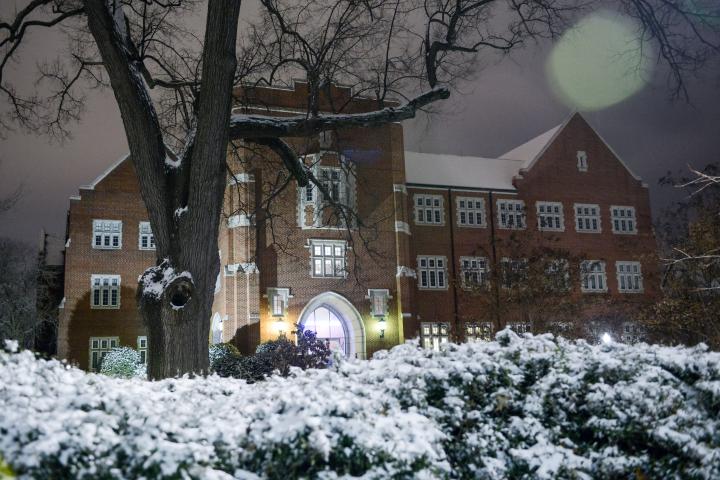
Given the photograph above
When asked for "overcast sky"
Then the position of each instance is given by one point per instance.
(505, 105)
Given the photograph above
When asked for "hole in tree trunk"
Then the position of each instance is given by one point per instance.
(179, 293)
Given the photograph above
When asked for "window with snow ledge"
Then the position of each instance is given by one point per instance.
(433, 334)
(99, 347)
(429, 209)
(593, 277)
(478, 332)
(470, 212)
(432, 272)
(105, 291)
(107, 234)
(623, 220)
(146, 239)
(511, 214)
(550, 216)
(327, 258)
(587, 218)
(629, 277)
(142, 347)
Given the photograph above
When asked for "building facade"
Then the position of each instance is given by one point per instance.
(397, 245)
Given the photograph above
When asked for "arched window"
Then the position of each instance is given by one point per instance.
(328, 326)
(216, 332)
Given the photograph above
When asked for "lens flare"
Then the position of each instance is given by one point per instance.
(599, 62)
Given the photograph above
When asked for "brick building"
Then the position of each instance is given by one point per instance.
(421, 246)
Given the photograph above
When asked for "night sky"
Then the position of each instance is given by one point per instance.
(502, 107)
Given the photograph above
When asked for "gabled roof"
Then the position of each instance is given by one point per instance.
(107, 172)
(530, 150)
(460, 171)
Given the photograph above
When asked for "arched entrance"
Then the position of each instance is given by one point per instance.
(216, 330)
(333, 318)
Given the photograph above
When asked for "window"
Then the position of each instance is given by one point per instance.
(105, 291)
(557, 275)
(433, 335)
(278, 301)
(623, 219)
(520, 327)
(378, 301)
(328, 258)
(107, 234)
(432, 272)
(474, 271)
(99, 347)
(142, 346)
(475, 332)
(511, 214)
(587, 218)
(550, 216)
(593, 278)
(429, 210)
(514, 272)
(629, 277)
(317, 209)
(470, 212)
(632, 333)
(333, 179)
(582, 161)
(146, 240)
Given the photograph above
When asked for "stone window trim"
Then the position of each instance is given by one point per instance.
(593, 276)
(278, 299)
(432, 272)
(98, 348)
(550, 216)
(146, 239)
(623, 220)
(338, 180)
(379, 301)
(587, 218)
(511, 214)
(478, 331)
(429, 209)
(629, 276)
(106, 234)
(402, 227)
(142, 348)
(474, 272)
(434, 334)
(328, 258)
(104, 292)
(471, 212)
(582, 161)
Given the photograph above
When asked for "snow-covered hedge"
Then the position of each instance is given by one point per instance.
(532, 407)
(123, 362)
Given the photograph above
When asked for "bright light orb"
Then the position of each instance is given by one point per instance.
(606, 338)
(599, 62)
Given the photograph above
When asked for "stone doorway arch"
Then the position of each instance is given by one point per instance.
(334, 316)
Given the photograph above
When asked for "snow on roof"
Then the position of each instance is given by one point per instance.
(529, 150)
(460, 171)
(105, 173)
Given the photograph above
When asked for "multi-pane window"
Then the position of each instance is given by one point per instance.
(333, 179)
(514, 272)
(471, 212)
(99, 347)
(105, 291)
(429, 210)
(433, 334)
(107, 234)
(623, 219)
(432, 273)
(557, 274)
(379, 301)
(142, 347)
(146, 240)
(550, 216)
(475, 332)
(629, 277)
(474, 271)
(511, 214)
(318, 209)
(328, 258)
(520, 327)
(632, 333)
(587, 218)
(592, 276)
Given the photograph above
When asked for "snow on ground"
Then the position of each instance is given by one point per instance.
(532, 407)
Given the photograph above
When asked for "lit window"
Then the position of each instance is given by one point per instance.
(328, 258)
(146, 239)
(514, 272)
(142, 347)
(593, 277)
(629, 277)
(278, 301)
(623, 219)
(105, 290)
(511, 214)
(475, 332)
(582, 161)
(429, 210)
(470, 211)
(99, 347)
(432, 272)
(474, 271)
(433, 335)
(107, 234)
(520, 327)
(587, 218)
(550, 216)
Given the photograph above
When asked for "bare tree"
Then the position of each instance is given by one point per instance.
(174, 89)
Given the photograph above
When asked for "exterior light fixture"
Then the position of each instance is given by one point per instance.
(381, 326)
(606, 338)
(280, 326)
(277, 307)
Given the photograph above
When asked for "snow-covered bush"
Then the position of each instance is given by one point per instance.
(122, 362)
(221, 353)
(532, 407)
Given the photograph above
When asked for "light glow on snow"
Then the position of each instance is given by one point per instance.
(606, 338)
